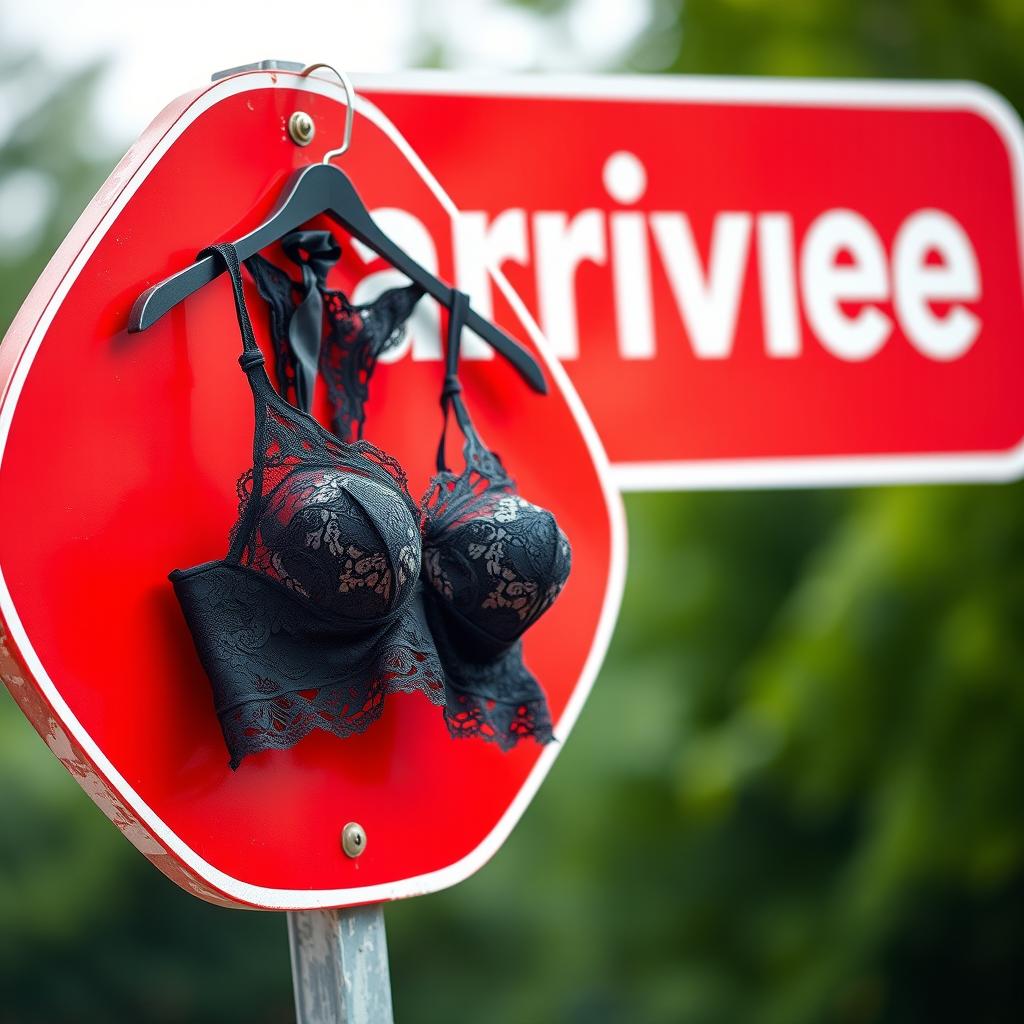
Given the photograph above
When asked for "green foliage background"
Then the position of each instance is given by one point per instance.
(794, 796)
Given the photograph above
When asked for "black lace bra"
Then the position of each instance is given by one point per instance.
(337, 590)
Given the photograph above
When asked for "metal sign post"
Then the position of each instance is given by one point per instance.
(340, 966)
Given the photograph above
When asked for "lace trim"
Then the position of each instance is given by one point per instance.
(342, 709)
(511, 708)
(356, 338)
(494, 564)
(279, 667)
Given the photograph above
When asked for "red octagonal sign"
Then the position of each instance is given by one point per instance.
(119, 456)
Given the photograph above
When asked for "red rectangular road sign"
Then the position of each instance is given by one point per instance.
(751, 282)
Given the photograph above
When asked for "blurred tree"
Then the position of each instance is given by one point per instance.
(49, 167)
(791, 798)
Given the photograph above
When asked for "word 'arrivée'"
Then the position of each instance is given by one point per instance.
(838, 273)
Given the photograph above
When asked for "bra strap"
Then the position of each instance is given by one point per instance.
(251, 361)
(251, 357)
(451, 390)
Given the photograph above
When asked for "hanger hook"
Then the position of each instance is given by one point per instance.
(350, 108)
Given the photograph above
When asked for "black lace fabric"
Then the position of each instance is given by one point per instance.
(337, 589)
(494, 564)
(316, 614)
(354, 335)
(357, 335)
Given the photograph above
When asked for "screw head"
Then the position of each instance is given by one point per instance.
(301, 128)
(353, 839)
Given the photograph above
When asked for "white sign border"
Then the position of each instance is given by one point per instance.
(854, 470)
(234, 889)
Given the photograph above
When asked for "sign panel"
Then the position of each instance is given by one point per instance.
(119, 455)
(751, 282)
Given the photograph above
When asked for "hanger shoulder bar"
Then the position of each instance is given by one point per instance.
(162, 297)
(294, 205)
(316, 189)
(491, 334)
(511, 350)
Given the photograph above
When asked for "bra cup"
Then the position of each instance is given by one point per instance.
(498, 572)
(341, 540)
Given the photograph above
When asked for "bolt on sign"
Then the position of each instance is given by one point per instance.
(751, 282)
(118, 457)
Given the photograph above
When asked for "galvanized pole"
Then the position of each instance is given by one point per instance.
(340, 966)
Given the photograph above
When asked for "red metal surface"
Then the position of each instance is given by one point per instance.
(120, 465)
(715, 146)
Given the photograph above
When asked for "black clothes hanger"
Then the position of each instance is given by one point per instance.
(325, 189)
